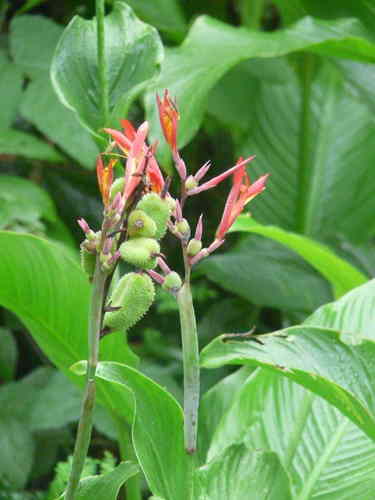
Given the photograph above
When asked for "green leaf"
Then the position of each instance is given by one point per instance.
(361, 9)
(266, 273)
(15, 142)
(133, 52)
(241, 473)
(352, 314)
(31, 51)
(10, 90)
(40, 104)
(214, 404)
(325, 454)
(185, 70)
(157, 430)
(106, 486)
(311, 161)
(165, 15)
(28, 5)
(313, 357)
(48, 291)
(41, 107)
(8, 355)
(17, 452)
(342, 276)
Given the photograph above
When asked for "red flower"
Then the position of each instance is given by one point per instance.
(105, 177)
(169, 117)
(241, 193)
(139, 157)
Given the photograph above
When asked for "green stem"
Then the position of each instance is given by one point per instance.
(127, 452)
(251, 13)
(102, 62)
(190, 350)
(85, 422)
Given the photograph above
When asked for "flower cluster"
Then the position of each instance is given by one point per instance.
(139, 209)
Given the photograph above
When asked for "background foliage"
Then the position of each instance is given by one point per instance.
(288, 81)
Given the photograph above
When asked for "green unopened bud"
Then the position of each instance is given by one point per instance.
(158, 209)
(140, 252)
(134, 294)
(117, 187)
(140, 224)
(171, 202)
(194, 247)
(172, 282)
(88, 260)
(183, 228)
(190, 183)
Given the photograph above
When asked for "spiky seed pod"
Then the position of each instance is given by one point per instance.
(172, 282)
(194, 247)
(158, 209)
(140, 252)
(117, 187)
(141, 225)
(88, 260)
(134, 293)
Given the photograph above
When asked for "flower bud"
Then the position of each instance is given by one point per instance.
(172, 282)
(140, 224)
(183, 228)
(190, 183)
(134, 294)
(140, 252)
(159, 211)
(88, 260)
(117, 187)
(194, 247)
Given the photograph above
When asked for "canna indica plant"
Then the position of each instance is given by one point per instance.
(139, 210)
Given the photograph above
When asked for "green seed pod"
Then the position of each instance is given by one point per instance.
(183, 228)
(88, 260)
(140, 252)
(194, 247)
(140, 224)
(158, 209)
(117, 187)
(172, 282)
(134, 293)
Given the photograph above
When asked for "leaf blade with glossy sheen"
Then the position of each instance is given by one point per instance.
(241, 473)
(315, 358)
(44, 286)
(342, 275)
(185, 74)
(157, 430)
(133, 52)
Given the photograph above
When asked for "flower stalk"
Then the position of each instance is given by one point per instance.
(85, 422)
(190, 349)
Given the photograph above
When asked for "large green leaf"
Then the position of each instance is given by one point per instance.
(10, 90)
(157, 431)
(361, 9)
(165, 15)
(242, 472)
(43, 285)
(311, 160)
(106, 486)
(353, 314)
(326, 455)
(342, 276)
(40, 105)
(191, 70)
(133, 52)
(15, 142)
(8, 355)
(342, 373)
(266, 273)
